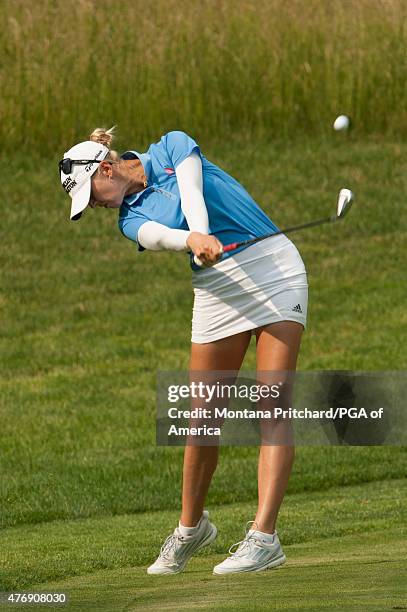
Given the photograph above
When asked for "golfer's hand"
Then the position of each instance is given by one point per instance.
(207, 249)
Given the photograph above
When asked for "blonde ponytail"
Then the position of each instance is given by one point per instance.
(105, 137)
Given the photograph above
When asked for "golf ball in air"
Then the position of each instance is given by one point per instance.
(341, 123)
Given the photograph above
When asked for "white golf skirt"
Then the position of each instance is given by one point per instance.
(264, 283)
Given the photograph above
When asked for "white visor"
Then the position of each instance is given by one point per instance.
(80, 201)
(78, 183)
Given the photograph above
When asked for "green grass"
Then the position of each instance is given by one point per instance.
(87, 321)
(265, 68)
(345, 550)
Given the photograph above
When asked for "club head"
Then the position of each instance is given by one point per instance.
(345, 200)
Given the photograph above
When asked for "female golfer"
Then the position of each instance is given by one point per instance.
(172, 197)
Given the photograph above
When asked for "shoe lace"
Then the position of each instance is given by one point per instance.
(169, 545)
(245, 544)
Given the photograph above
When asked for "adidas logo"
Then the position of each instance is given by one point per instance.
(297, 308)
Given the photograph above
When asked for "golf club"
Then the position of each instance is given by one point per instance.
(345, 200)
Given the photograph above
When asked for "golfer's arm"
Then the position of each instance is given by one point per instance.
(157, 237)
(190, 185)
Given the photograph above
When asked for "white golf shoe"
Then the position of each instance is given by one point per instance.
(178, 549)
(257, 552)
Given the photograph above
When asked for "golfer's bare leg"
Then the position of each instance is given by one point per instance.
(200, 461)
(277, 349)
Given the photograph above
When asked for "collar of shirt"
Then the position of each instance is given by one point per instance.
(146, 161)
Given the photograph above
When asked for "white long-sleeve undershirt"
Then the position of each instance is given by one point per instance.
(190, 185)
(156, 236)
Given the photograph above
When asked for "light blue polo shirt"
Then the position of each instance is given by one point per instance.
(233, 214)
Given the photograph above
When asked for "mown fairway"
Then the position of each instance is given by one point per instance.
(345, 551)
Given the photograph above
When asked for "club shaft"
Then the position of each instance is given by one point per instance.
(237, 245)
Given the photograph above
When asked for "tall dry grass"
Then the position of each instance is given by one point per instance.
(265, 68)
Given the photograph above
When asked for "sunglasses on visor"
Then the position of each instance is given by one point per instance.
(66, 165)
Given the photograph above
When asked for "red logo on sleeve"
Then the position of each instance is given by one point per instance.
(169, 170)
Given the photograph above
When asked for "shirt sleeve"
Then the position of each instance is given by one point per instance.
(179, 146)
(130, 228)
